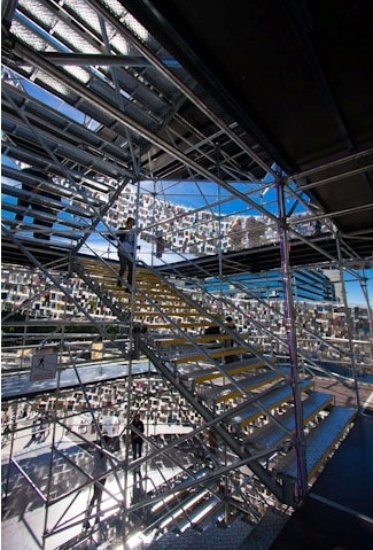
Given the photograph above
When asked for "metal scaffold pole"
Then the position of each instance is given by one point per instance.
(299, 438)
(349, 326)
(364, 288)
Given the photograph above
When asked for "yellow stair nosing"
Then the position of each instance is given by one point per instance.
(223, 352)
(217, 374)
(237, 393)
(201, 338)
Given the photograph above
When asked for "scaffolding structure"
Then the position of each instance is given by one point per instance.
(101, 122)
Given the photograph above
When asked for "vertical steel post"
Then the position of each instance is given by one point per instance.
(349, 325)
(364, 288)
(299, 438)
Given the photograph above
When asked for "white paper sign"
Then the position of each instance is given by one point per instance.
(43, 366)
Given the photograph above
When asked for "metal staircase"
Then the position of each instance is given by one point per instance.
(239, 455)
(115, 116)
(245, 406)
(242, 453)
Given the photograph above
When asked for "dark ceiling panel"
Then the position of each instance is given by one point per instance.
(295, 75)
(277, 59)
(252, 83)
(196, 34)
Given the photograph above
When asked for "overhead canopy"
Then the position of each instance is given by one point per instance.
(296, 75)
(105, 92)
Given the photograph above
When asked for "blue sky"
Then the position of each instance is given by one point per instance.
(192, 193)
(355, 295)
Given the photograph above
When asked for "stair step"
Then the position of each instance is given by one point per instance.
(211, 517)
(319, 443)
(271, 435)
(181, 487)
(199, 339)
(270, 401)
(214, 353)
(230, 391)
(39, 198)
(182, 325)
(211, 373)
(146, 282)
(69, 230)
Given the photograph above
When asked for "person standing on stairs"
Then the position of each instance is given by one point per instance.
(126, 237)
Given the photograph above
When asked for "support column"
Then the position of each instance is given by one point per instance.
(364, 288)
(349, 325)
(298, 438)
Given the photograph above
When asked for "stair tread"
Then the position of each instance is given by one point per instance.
(270, 401)
(165, 324)
(209, 505)
(319, 442)
(209, 373)
(197, 339)
(221, 393)
(188, 502)
(271, 435)
(38, 198)
(211, 352)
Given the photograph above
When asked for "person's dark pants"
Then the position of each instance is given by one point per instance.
(97, 497)
(126, 262)
(97, 494)
(136, 449)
